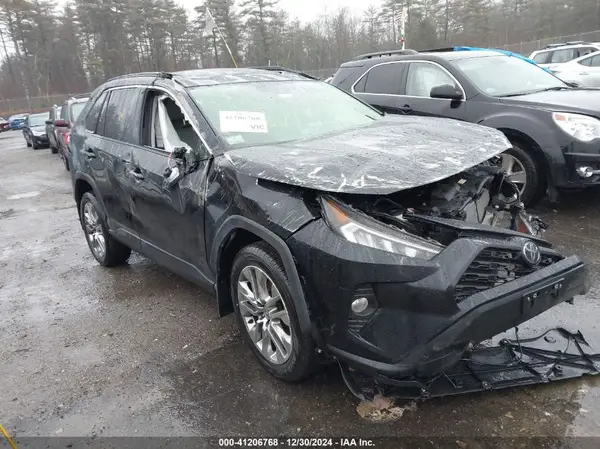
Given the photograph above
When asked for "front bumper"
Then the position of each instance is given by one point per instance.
(40, 140)
(419, 327)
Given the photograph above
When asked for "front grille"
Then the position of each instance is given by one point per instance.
(494, 267)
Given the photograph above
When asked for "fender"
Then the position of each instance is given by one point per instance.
(85, 177)
(532, 127)
(238, 222)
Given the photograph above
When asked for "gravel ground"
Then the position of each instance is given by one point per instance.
(138, 351)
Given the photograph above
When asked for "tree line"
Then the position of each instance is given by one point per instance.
(50, 49)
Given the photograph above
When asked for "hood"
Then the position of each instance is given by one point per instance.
(570, 100)
(392, 154)
(39, 128)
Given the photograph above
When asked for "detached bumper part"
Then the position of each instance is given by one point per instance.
(555, 355)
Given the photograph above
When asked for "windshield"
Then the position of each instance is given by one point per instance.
(501, 76)
(38, 119)
(76, 110)
(271, 112)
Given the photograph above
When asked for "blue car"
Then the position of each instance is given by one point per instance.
(17, 121)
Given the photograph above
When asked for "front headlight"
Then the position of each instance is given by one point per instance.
(582, 127)
(363, 230)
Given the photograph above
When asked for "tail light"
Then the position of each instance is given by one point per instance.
(67, 137)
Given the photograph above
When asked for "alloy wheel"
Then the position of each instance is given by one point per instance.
(93, 230)
(265, 315)
(515, 171)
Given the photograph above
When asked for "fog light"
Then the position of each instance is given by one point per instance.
(585, 171)
(359, 306)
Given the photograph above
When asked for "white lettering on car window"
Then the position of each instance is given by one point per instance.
(243, 122)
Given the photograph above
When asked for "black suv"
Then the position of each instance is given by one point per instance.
(313, 218)
(554, 128)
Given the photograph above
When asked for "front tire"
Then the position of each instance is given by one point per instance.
(524, 171)
(105, 249)
(266, 314)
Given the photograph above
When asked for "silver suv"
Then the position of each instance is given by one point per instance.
(556, 54)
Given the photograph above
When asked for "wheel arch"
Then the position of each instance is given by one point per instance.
(234, 234)
(83, 184)
(529, 145)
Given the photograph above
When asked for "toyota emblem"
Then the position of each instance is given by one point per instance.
(531, 254)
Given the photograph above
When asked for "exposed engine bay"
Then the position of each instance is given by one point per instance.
(481, 195)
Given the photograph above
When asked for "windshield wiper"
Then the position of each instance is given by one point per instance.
(547, 89)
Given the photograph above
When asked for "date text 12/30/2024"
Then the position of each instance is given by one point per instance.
(296, 442)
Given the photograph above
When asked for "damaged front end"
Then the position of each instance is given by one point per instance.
(423, 275)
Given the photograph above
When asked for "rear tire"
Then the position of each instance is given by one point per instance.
(291, 364)
(105, 249)
(535, 186)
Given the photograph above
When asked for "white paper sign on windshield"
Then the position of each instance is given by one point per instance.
(243, 122)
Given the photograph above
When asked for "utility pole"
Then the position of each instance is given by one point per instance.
(402, 13)
(214, 39)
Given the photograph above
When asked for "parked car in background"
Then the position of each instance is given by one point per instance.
(17, 121)
(69, 112)
(4, 124)
(248, 182)
(51, 131)
(34, 130)
(554, 128)
(585, 71)
(556, 54)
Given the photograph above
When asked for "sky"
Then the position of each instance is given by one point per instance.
(306, 10)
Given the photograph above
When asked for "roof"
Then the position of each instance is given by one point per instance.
(566, 46)
(207, 77)
(211, 77)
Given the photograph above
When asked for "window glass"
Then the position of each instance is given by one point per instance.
(261, 113)
(595, 61)
(38, 119)
(586, 62)
(422, 77)
(489, 74)
(582, 51)
(122, 116)
(360, 86)
(76, 109)
(542, 58)
(91, 120)
(384, 79)
(560, 56)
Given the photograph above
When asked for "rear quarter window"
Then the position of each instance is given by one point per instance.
(91, 119)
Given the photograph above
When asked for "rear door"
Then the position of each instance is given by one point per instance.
(587, 71)
(109, 152)
(381, 85)
(50, 126)
(422, 76)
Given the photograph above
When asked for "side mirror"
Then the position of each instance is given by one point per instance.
(573, 84)
(446, 91)
(173, 175)
(61, 123)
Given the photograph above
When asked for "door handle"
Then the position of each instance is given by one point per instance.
(136, 173)
(583, 73)
(88, 152)
(406, 108)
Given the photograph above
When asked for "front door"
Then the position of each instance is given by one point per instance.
(170, 218)
(421, 78)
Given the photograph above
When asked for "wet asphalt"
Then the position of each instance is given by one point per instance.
(138, 351)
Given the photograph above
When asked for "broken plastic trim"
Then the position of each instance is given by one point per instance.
(555, 355)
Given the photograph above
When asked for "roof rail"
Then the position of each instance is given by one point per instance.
(75, 97)
(131, 75)
(432, 50)
(386, 53)
(562, 44)
(276, 68)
